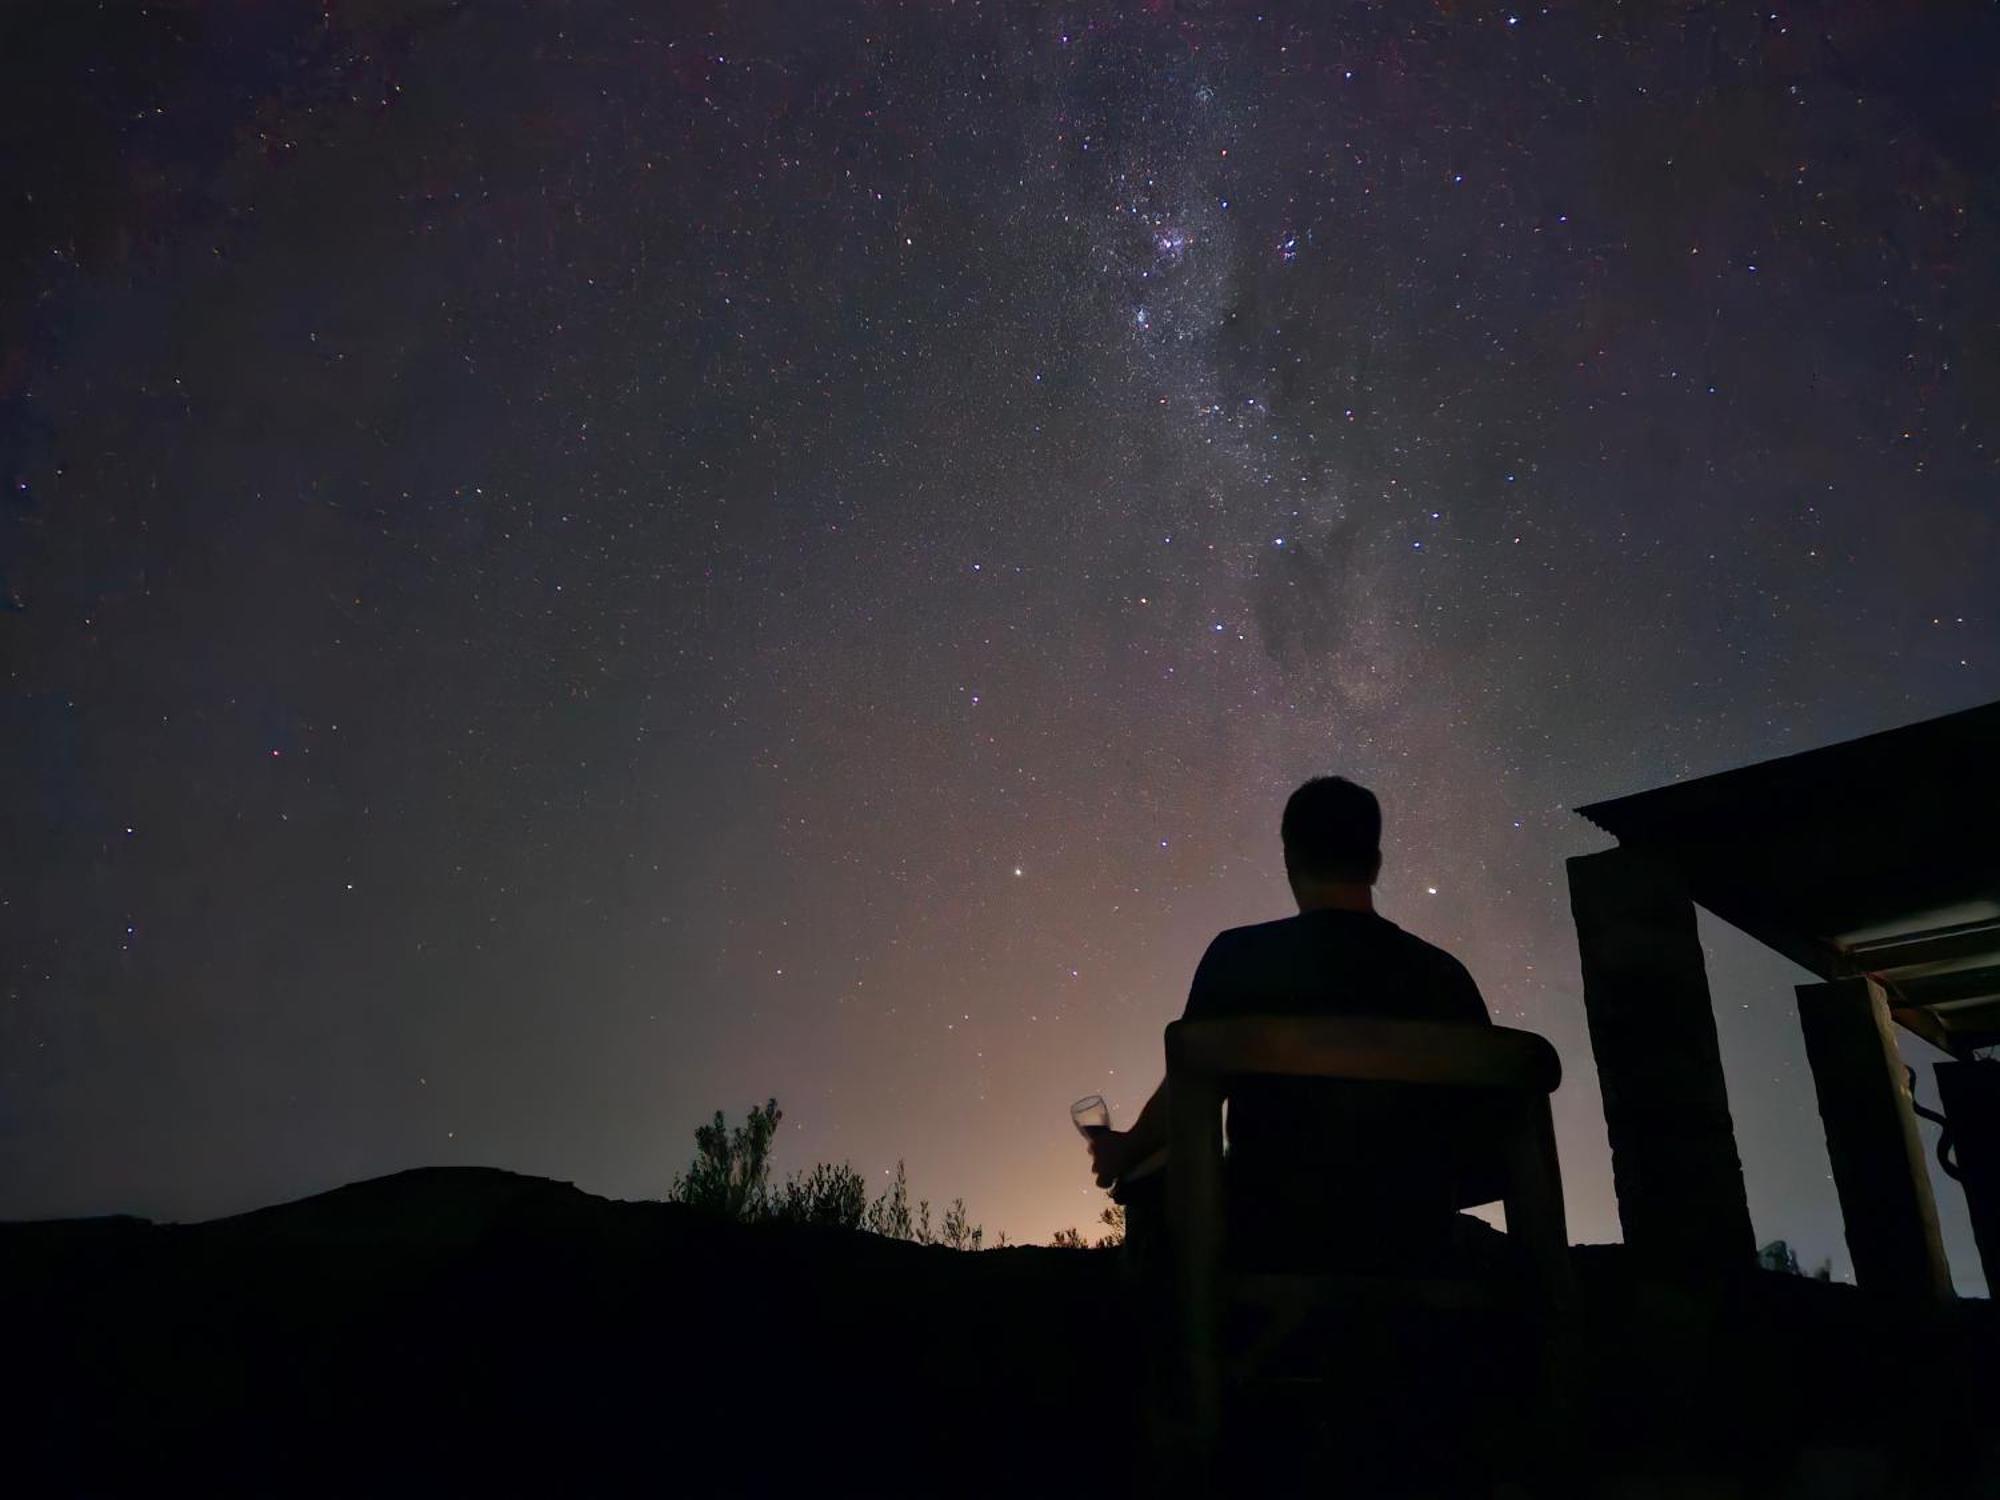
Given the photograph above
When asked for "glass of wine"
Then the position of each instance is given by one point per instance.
(1090, 1115)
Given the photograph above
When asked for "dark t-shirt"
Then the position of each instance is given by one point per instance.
(1374, 1150)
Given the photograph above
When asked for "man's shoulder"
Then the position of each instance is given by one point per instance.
(1253, 933)
(1256, 940)
(1421, 951)
(1447, 976)
(1370, 929)
(1326, 959)
(1235, 953)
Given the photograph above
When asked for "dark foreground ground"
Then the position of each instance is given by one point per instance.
(466, 1330)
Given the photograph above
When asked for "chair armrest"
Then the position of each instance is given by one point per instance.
(1374, 1051)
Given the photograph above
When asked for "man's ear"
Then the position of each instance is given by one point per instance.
(1375, 868)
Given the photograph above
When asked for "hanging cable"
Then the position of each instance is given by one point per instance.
(1946, 1158)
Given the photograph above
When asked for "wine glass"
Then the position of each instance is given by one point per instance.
(1090, 1115)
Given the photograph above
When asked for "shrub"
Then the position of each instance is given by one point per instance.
(889, 1215)
(1113, 1219)
(730, 1178)
(832, 1197)
(959, 1234)
(730, 1173)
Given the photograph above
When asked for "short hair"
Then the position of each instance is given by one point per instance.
(1332, 830)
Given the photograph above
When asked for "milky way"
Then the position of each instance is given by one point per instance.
(570, 567)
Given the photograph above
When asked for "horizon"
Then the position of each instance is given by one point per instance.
(562, 574)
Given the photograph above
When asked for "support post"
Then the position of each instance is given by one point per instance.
(1652, 1031)
(1970, 1093)
(1872, 1141)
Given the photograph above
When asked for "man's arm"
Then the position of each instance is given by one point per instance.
(1113, 1153)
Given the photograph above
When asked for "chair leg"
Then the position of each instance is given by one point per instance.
(1535, 1218)
(1194, 1202)
(1535, 1215)
(1278, 1326)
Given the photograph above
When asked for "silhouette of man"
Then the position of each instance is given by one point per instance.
(1346, 1173)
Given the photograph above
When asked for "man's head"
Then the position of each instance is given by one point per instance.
(1333, 836)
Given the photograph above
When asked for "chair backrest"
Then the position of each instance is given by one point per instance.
(1515, 1069)
(1373, 1051)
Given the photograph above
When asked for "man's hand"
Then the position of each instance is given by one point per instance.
(1110, 1155)
(1116, 1153)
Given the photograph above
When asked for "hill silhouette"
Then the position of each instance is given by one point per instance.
(468, 1327)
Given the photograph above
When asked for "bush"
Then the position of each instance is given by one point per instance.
(730, 1173)
(730, 1178)
(1113, 1219)
(958, 1233)
(832, 1197)
(889, 1215)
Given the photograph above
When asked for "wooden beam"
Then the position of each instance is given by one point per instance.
(1920, 1022)
(1962, 1016)
(1652, 1030)
(1951, 986)
(1871, 1140)
(1936, 946)
(1955, 1026)
(1748, 908)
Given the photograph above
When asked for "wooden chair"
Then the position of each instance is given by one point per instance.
(1510, 1073)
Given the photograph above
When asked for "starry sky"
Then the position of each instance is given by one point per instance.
(567, 566)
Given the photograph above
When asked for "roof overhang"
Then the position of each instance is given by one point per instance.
(1876, 856)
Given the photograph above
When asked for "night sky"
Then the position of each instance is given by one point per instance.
(567, 566)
